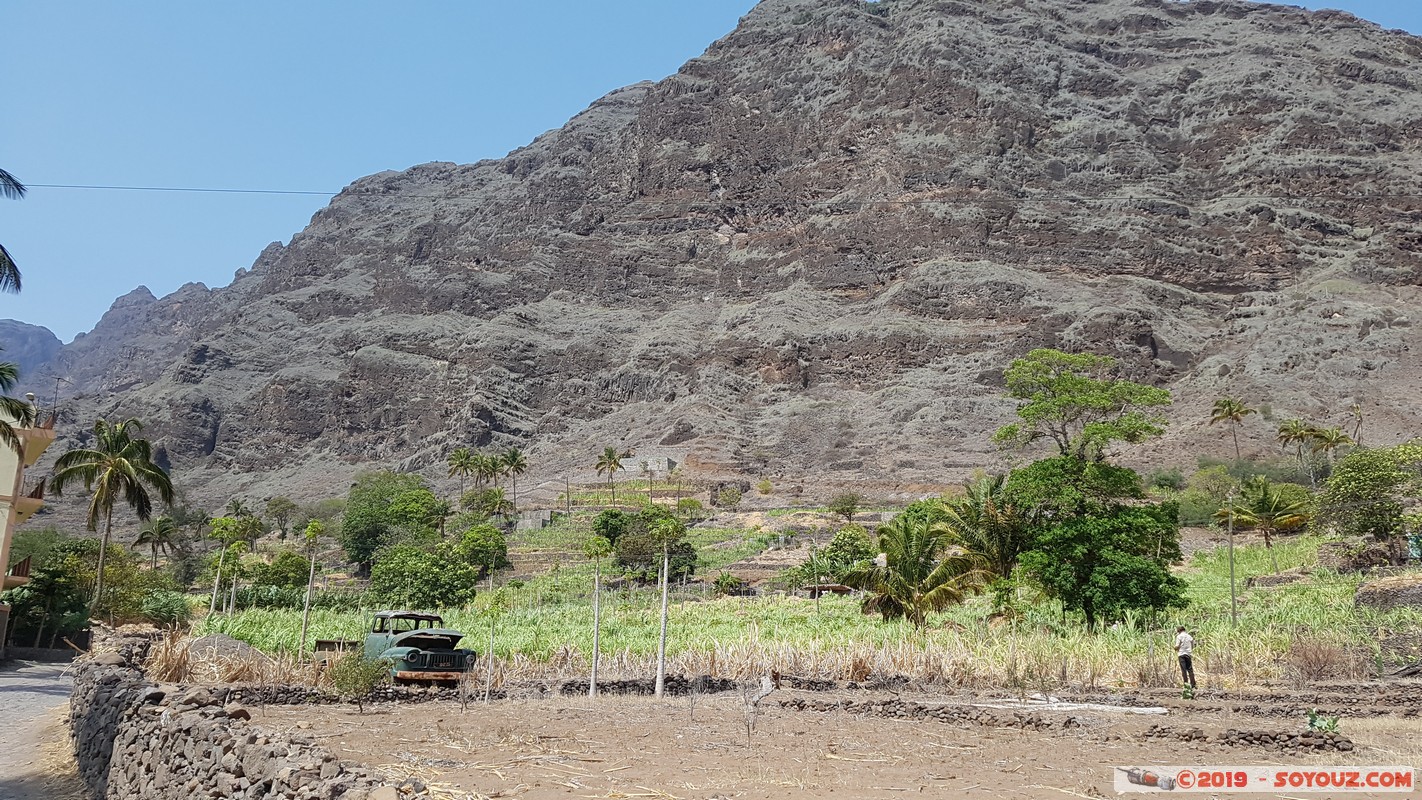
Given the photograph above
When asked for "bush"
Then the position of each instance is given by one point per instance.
(354, 676)
(850, 545)
(167, 608)
(689, 507)
(726, 583)
(486, 502)
(640, 556)
(1171, 478)
(764, 487)
(728, 497)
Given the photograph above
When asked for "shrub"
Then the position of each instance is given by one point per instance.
(167, 608)
(726, 583)
(689, 507)
(764, 487)
(850, 545)
(728, 497)
(354, 676)
(1171, 478)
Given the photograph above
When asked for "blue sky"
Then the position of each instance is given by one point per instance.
(287, 95)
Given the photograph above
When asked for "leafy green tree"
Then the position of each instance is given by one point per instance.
(514, 464)
(917, 573)
(611, 523)
(1228, 409)
(118, 466)
(596, 549)
(1267, 508)
(461, 465)
(1096, 545)
(985, 523)
(408, 576)
(159, 534)
(1073, 401)
(609, 463)
(1369, 490)
(54, 601)
(228, 532)
(12, 189)
(846, 505)
(1326, 440)
(485, 547)
(849, 546)
(280, 510)
(369, 520)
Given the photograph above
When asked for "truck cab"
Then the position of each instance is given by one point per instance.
(418, 647)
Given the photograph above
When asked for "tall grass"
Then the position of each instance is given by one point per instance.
(547, 633)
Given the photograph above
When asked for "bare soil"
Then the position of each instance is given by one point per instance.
(622, 747)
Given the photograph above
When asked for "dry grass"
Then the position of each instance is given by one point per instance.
(173, 660)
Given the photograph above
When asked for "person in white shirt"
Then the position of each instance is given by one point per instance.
(1184, 644)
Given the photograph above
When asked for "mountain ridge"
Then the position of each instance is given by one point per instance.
(813, 249)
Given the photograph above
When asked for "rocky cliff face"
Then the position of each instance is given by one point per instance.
(815, 248)
(31, 348)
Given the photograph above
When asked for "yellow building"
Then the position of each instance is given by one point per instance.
(19, 499)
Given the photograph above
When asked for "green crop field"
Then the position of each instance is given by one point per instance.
(548, 631)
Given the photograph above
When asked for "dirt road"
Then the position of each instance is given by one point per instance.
(32, 695)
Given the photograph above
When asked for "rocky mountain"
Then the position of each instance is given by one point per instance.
(31, 348)
(813, 250)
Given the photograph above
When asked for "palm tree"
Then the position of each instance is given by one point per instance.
(158, 534)
(597, 548)
(984, 524)
(314, 530)
(914, 573)
(666, 531)
(11, 188)
(1296, 432)
(14, 413)
(610, 462)
(461, 465)
(1228, 409)
(118, 466)
(1326, 440)
(486, 468)
(1264, 508)
(514, 464)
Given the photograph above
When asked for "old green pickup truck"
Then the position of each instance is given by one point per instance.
(418, 648)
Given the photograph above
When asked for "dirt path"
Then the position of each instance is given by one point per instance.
(32, 695)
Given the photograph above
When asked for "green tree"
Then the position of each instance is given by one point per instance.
(1368, 491)
(514, 464)
(461, 465)
(846, 505)
(916, 573)
(611, 523)
(485, 547)
(159, 534)
(984, 522)
(228, 532)
(288, 570)
(486, 502)
(408, 576)
(12, 189)
(368, 522)
(22, 413)
(118, 466)
(1073, 401)
(280, 510)
(849, 546)
(596, 549)
(609, 463)
(1228, 409)
(1096, 544)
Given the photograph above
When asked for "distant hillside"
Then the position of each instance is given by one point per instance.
(32, 348)
(812, 251)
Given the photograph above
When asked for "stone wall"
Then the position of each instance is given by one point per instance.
(135, 739)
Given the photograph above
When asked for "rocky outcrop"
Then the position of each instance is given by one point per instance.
(31, 348)
(813, 250)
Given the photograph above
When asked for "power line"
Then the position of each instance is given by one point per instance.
(725, 202)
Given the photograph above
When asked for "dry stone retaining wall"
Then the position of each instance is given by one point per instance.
(133, 739)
